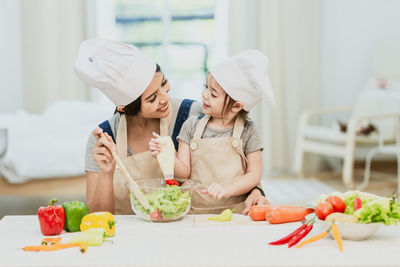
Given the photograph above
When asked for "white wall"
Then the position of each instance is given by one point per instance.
(11, 86)
(350, 30)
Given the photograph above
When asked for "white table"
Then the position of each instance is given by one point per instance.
(195, 241)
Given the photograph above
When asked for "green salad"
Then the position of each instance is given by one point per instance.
(166, 203)
(373, 208)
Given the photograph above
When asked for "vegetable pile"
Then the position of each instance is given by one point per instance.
(365, 207)
(167, 203)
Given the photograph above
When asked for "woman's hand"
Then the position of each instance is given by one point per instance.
(102, 151)
(154, 145)
(217, 191)
(255, 198)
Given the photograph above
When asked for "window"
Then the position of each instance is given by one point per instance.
(181, 36)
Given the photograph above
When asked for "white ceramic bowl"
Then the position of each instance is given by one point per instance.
(349, 231)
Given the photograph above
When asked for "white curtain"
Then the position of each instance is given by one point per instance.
(51, 34)
(288, 32)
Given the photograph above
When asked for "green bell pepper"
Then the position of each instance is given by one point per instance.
(74, 212)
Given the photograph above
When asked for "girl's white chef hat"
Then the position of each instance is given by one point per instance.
(119, 70)
(245, 78)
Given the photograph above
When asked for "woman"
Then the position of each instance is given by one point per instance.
(139, 89)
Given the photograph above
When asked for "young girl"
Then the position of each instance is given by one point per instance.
(222, 149)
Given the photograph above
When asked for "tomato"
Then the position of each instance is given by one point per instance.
(323, 209)
(337, 203)
(155, 215)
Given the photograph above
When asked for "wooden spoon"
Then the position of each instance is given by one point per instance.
(133, 185)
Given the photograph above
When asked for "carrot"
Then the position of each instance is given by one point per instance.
(54, 247)
(285, 214)
(313, 239)
(257, 212)
(50, 247)
(336, 235)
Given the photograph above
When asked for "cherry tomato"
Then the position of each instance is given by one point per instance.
(337, 203)
(155, 215)
(323, 209)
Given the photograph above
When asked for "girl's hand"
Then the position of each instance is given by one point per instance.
(154, 145)
(255, 198)
(216, 191)
(102, 151)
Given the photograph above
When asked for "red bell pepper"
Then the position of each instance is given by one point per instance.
(357, 203)
(171, 182)
(51, 218)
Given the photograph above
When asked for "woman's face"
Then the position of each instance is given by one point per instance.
(155, 99)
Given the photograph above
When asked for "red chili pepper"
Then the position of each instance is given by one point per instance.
(171, 182)
(357, 203)
(295, 239)
(286, 239)
(51, 218)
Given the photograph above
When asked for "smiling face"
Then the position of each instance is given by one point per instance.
(155, 99)
(213, 98)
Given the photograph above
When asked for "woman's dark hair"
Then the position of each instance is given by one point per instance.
(133, 108)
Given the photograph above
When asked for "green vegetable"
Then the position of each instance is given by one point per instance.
(170, 201)
(74, 212)
(225, 216)
(91, 237)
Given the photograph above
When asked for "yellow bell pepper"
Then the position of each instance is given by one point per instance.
(99, 220)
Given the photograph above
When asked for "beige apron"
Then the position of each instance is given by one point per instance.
(140, 166)
(216, 160)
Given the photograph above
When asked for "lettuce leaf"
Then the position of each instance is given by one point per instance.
(170, 201)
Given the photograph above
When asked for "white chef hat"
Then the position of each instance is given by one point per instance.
(245, 78)
(121, 71)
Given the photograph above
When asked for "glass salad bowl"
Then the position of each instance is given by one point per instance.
(167, 203)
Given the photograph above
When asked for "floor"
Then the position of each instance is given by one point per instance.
(285, 189)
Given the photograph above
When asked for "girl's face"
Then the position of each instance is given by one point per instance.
(155, 99)
(213, 98)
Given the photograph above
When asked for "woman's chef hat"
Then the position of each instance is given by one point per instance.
(245, 78)
(119, 70)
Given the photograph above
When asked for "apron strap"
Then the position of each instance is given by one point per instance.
(238, 127)
(122, 138)
(200, 127)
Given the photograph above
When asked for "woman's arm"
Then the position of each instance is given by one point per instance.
(99, 192)
(99, 186)
(242, 184)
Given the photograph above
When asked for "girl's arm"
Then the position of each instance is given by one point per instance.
(243, 184)
(182, 161)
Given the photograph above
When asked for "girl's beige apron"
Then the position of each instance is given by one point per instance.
(140, 166)
(216, 160)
